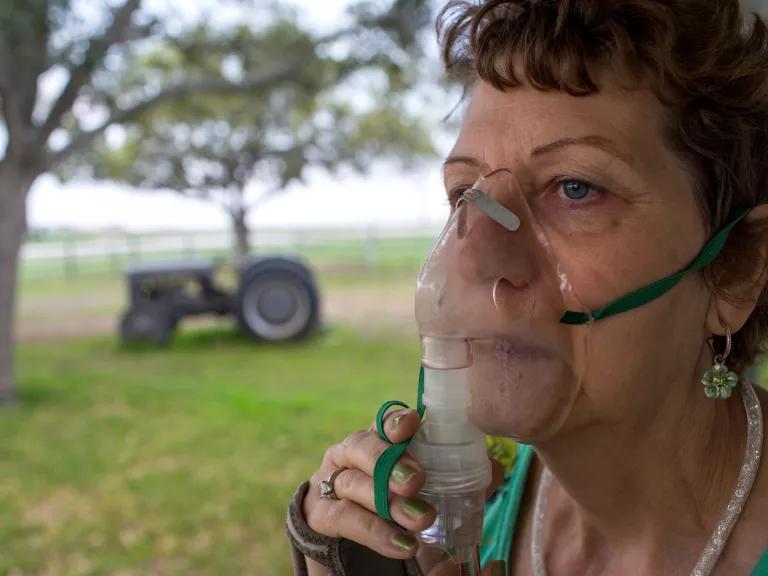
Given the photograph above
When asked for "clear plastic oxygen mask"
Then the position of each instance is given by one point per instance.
(489, 301)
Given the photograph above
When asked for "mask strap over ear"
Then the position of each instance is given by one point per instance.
(660, 287)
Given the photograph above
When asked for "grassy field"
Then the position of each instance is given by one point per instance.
(181, 460)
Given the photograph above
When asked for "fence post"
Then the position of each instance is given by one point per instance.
(371, 246)
(134, 247)
(299, 241)
(70, 257)
(189, 244)
(113, 253)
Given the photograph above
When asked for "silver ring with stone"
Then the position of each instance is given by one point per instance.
(326, 486)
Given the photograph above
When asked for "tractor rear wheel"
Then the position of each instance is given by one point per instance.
(278, 302)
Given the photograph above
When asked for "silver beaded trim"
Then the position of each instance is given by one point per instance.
(537, 553)
(747, 474)
(724, 527)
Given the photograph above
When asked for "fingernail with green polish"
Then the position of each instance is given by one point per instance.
(401, 473)
(404, 542)
(416, 508)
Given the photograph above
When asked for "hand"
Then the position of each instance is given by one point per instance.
(353, 516)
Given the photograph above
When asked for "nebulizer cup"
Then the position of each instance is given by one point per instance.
(488, 302)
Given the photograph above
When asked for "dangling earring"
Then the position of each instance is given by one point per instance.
(719, 381)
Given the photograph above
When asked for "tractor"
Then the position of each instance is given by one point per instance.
(275, 298)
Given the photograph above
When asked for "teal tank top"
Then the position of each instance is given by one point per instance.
(502, 510)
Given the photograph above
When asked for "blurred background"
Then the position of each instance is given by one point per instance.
(226, 206)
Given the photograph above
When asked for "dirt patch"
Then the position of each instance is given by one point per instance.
(386, 308)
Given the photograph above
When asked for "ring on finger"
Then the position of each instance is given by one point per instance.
(326, 486)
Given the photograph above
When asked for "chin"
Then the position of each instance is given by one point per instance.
(520, 392)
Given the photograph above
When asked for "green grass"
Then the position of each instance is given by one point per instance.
(178, 460)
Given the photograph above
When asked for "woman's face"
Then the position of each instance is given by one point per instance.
(618, 210)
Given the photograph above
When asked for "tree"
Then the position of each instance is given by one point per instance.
(239, 151)
(42, 38)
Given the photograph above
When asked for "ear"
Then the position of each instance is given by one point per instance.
(735, 312)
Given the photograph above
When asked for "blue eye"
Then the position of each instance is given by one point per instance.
(576, 189)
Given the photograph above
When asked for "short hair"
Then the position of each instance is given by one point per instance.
(705, 60)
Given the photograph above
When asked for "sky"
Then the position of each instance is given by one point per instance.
(384, 198)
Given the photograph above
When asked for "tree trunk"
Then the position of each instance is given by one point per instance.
(14, 186)
(242, 240)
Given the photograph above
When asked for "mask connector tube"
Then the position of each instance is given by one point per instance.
(452, 451)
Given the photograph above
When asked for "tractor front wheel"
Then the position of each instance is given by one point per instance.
(147, 325)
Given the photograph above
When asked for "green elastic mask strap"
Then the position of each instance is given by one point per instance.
(391, 455)
(660, 287)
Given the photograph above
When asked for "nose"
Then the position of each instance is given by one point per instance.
(490, 252)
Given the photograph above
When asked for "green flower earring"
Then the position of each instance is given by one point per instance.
(719, 381)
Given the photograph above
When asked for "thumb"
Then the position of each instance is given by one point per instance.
(495, 568)
(497, 477)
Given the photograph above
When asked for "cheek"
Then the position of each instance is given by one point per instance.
(628, 256)
(637, 359)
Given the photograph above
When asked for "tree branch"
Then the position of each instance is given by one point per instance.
(13, 123)
(185, 89)
(80, 75)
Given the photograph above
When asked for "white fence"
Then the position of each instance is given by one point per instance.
(78, 255)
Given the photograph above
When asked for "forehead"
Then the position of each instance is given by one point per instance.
(502, 125)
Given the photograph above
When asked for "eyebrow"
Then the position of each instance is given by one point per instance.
(592, 141)
(467, 160)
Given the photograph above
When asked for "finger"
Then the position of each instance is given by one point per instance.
(359, 525)
(362, 449)
(412, 513)
(495, 568)
(497, 477)
(399, 425)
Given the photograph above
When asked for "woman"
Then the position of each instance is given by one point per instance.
(652, 116)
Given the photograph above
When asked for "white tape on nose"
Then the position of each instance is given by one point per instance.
(493, 209)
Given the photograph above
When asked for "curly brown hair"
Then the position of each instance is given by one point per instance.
(704, 59)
